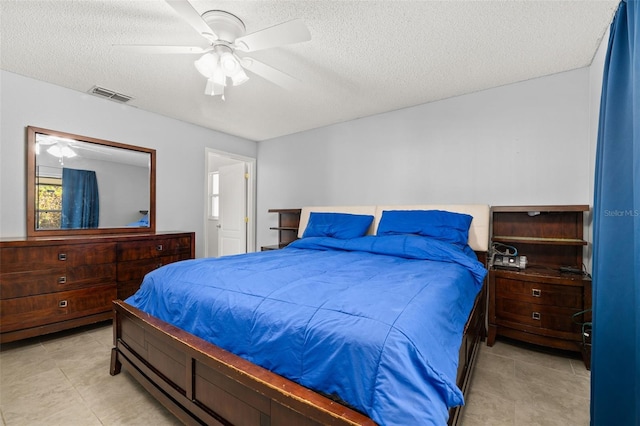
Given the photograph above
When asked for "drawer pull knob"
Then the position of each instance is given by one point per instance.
(62, 256)
(62, 280)
(535, 315)
(536, 292)
(62, 304)
(159, 247)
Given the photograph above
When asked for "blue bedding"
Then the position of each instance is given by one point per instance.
(376, 321)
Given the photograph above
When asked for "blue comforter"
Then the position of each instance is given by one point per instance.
(376, 321)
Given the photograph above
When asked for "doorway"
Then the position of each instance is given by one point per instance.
(229, 203)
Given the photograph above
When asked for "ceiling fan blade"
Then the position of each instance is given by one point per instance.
(146, 48)
(193, 18)
(269, 73)
(286, 33)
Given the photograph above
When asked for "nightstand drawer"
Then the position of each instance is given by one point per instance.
(543, 316)
(539, 293)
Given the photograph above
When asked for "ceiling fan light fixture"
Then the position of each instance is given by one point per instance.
(229, 63)
(207, 64)
(214, 88)
(239, 76)
(232, 68)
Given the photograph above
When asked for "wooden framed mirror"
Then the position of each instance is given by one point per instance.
(78, 185)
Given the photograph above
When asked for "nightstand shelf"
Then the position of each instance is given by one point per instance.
(534, 240)
(540, 304)
(288, 222)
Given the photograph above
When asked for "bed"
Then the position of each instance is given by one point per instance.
(361, 321)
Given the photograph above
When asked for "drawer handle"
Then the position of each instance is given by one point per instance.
(159, 247)
(62, 256)
(62, 280)
(535, 315)
(536, 292)
(63, 304)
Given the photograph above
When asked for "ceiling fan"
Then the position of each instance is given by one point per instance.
(225, 34)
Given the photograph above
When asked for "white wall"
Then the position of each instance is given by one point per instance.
(180, 149)
(525, 143)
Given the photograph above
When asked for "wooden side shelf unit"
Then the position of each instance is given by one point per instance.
(288, 222)
(543, 303)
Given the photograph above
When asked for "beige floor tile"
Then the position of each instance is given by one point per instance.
(77, 415)
(17, 363)
(110, 392)
(533, 354)
(471, 420)
(545, 415)
(145, 411)
(38, 398)
(102, 335)
(495, 363)
(482, 408)
(498, 385)
(563, 383)
(579, 368)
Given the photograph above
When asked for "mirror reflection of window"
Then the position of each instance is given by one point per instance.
(48, 202)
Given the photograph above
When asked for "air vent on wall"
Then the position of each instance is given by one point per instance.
(110, 94)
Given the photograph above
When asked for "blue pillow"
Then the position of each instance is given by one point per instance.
(337, 225)
(442, 225)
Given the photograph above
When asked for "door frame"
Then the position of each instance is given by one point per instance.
(250, 164)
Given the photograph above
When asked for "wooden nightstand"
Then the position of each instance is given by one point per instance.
(541, 304)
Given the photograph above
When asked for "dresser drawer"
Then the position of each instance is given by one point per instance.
(21, 259)
(135, 250)
(542, 316)
(137, 269)
(539, 293)
(33, 311)
(19, 284)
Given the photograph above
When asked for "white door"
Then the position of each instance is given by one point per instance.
(232, 234)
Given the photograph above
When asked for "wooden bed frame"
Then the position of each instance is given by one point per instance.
(201, 383)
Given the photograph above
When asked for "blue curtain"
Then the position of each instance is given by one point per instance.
(615, 375)
(80, 203)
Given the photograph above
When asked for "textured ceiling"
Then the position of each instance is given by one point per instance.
(364, 58)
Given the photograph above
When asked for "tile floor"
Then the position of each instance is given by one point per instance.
(63, 379)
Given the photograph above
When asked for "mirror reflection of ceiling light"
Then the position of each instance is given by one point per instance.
(61, 151)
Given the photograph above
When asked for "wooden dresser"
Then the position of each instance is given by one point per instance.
(541, 303)
(53, 284)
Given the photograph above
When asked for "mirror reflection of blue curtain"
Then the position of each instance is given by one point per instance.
(615, 366)
(80, 203)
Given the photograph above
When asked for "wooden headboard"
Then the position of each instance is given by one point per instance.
(478, 232)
